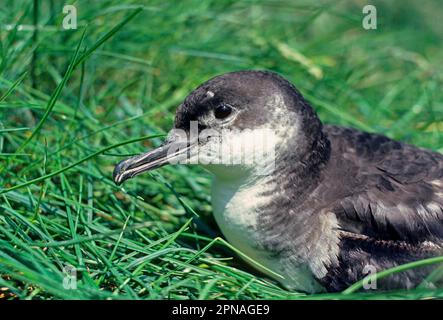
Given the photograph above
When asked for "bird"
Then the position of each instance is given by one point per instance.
(329, 206)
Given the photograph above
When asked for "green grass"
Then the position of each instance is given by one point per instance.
(73, 103)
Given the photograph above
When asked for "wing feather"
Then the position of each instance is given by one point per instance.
(395, 190)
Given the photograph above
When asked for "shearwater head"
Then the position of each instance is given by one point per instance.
(236, 124)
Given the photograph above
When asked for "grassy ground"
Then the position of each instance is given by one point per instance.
(72, 104)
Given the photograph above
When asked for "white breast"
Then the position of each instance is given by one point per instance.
(236, 209)
(236, 212)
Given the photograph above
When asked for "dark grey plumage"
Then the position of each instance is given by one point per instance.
(389, 206)
(387, 197)
(342, 199)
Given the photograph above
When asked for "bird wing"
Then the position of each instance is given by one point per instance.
(393, 191)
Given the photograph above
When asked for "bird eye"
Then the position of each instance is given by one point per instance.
(222, 111)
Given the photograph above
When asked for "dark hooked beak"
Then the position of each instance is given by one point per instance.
(167, 153)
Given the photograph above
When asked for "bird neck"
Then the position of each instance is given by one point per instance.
(299, 169)
(295, 170)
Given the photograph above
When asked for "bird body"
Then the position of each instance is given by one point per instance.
(333, 202)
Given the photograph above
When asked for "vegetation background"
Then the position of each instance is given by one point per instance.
(74, 102)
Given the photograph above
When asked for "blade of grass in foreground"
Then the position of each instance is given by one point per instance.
(108, 35)
(13, 86)
(383, 274)
(50, 175)
(55, 95)
(73, 64)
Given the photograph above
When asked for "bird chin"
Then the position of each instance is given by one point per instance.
(228, 172)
